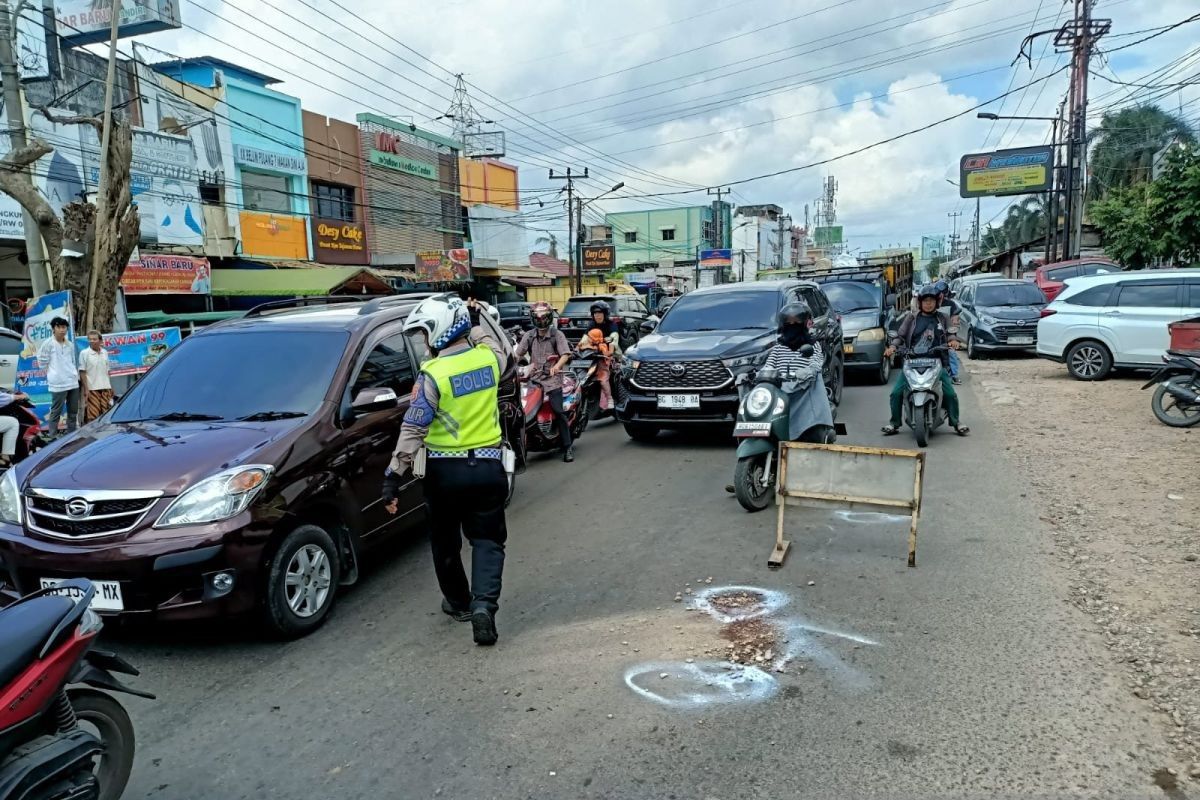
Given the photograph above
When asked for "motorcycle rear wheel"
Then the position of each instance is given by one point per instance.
(1163, 403)
(106, 718)
(921, 426)
(748, 483)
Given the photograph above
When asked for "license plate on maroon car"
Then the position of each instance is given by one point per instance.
(107, 597)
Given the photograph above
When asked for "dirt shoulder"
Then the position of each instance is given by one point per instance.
(1120, 491)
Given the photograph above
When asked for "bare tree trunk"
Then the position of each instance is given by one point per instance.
(79, 220)
(117, 236)
(19, 188)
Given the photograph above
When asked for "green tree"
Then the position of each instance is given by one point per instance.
(993, 240)
(1025, 221)
(1126, 220)
(935, 266)
(1124, 144)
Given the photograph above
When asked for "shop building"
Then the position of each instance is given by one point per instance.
(335, 178)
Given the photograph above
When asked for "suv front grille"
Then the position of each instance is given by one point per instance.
(694, 375)
(84, 514)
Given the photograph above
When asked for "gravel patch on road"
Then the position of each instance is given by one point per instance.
(1118, 490)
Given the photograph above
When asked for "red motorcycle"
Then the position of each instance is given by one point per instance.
(581, 401)
(59, 743)
(29, 438)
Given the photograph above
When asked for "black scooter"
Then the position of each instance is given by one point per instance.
(1176, 401)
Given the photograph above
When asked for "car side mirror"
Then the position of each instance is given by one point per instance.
(891, 299)
(375, 398)
(649, 325)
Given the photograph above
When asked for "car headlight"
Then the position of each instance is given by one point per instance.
(986, 320)
(758, 401)
(216, 498)
(10, 499)
(741, 363)
(871, 335)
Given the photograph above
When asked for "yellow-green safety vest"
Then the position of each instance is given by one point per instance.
(468, 413)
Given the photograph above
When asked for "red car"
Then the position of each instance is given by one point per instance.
(1052, 277)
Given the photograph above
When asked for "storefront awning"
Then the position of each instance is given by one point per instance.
(518, 276)
(296, 282)
(163, 319)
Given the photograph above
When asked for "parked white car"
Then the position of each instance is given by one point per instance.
(1119, 319)
(10, 349)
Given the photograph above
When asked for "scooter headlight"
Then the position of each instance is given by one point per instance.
(758, 401)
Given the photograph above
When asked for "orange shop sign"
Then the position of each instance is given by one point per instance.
(274, 235)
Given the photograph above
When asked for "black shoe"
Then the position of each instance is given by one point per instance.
(454, 612)
(957, 381)
(483, 626)
(569, 455)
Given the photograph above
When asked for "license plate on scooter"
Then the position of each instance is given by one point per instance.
(744, 429)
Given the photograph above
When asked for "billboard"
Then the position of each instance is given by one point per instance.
(167, 274)
(274, 235)
(932, 247)
(443, 265)
(88, 21)
(1025, 170)
(602, 258)
(135, 352)
(827, 236)
(336, 241)
(31, 379)
(716, 259)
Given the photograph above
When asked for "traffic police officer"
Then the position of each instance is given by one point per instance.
(455, 412)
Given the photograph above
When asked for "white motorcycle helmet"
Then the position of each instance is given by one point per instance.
(444, 318)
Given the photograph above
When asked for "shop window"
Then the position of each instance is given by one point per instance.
(630, 237)
(262, 192)
(333, 201)
(668, 234)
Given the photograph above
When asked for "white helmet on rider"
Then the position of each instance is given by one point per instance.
(444, 318)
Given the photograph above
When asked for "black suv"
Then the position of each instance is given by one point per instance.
(683, 374)
(628, 311)
(241, 474)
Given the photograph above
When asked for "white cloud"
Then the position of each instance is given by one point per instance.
(516, 48)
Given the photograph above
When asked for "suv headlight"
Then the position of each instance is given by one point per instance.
(871, 335)
(10, 499)
(742, 363)
(216, 498)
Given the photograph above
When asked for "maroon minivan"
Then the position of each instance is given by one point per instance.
(242, 473)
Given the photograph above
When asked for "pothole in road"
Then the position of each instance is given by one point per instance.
(752, 641)
(729, 604)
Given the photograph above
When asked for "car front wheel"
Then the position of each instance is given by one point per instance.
(302, 582)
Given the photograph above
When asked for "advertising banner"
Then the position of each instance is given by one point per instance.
(167, 274)
(932, 247)
(336, 241)
(88, 21)
(444, 265)
(135, 352)
(602, 258)
(716, 259)
(1025, 170)
(274, 235)
(31, 379)
(827, 236)
(269, 159)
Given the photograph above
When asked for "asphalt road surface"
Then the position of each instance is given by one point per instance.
(969, 676)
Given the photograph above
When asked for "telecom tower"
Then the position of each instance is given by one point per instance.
(827, 212)
(469, 125)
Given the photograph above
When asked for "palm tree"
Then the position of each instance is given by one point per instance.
(1124, 145)
(550, 241)
(1025, 221)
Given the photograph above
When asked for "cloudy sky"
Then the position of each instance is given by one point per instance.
(673, 95)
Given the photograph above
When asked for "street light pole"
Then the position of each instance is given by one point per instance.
(578, 246)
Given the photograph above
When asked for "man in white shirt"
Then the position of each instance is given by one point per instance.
(57, 357)
(93, 374)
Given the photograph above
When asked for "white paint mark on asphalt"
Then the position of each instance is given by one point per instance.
(869, 517)
(700, 684)
(854, 637)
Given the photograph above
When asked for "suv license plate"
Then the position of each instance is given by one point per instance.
(107, 597)
(679, 401)
(1020, 340)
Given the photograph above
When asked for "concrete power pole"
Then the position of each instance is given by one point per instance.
(954, 233)
(39, 278)
(573, 265)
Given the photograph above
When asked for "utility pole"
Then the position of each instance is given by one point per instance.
(1079, 36)
(102, 209)
(975, 234)
(954, 232)
(39, 278)
(573, 265)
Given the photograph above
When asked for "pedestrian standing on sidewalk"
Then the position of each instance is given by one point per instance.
(93, 373)
(455, 414)
(57, 357)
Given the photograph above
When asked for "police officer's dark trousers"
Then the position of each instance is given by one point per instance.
(466, 498)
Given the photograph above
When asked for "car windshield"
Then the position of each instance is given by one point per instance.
(582, 308)
(847, 296)
(1009, 294)
(236, 375)
(722, 311)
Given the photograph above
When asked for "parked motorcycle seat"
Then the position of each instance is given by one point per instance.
(24, 628)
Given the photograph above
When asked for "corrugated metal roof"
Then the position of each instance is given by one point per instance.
(293, 282)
